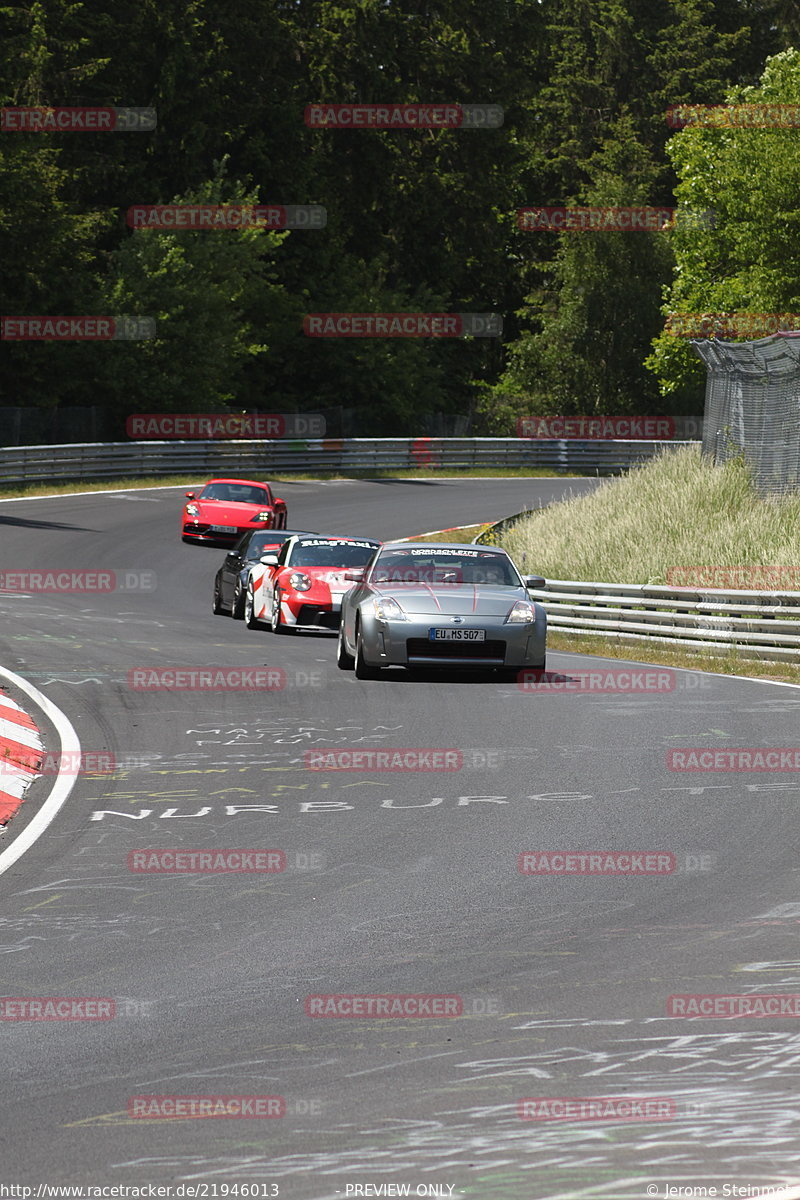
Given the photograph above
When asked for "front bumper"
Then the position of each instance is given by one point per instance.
(201, 531)
(407, 644)
(313, 614)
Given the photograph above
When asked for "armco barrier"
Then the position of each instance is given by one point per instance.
(759, 624)
(118, 460)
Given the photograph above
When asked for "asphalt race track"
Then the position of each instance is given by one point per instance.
(396, 883)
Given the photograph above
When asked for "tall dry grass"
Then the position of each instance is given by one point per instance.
(675, 511)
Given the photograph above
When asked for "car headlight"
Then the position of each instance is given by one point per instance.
(263, 516)
(388, 609)
(299, 581)
(192, 510)
(521, 614)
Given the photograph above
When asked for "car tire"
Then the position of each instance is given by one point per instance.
(363, 669)
(276, 622)
(344, 661)
(249, 610)
(216, 606)
(237, 608)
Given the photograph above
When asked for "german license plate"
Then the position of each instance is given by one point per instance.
(224, 529)
(457, 635)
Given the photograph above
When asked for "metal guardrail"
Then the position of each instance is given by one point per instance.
(758, 624)
(119, 460)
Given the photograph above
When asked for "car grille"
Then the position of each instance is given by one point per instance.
(205, 531)
(422, 648)
(309, 614)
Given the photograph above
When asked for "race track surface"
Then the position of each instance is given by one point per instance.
(396, 883)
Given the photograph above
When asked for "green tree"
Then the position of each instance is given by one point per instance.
(750, 261)
(213, 295)
(592, 300)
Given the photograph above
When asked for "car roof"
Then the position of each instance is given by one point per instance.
(250, 482)
(443, 546)
(287, 533)
(339, 537)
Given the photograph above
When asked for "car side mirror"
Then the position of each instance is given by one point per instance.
(354, 576)
(535, 581)
(268, 560)
(190, 495)
(277, 500)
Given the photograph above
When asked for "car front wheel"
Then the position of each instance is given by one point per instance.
(362, 668)
(216, 606)
(344, 660)
(276, 622)
(237, 608)
(249, 610)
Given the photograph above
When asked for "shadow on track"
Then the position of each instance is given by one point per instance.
(26, 523)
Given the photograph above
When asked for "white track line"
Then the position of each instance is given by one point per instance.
(159, 487)
(688, 670)
(70, 745)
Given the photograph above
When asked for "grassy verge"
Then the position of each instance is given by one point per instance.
(18, 491)
(658, 653)
(450, 535)
(675, 511)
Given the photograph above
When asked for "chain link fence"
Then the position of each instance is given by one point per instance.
(753, 407)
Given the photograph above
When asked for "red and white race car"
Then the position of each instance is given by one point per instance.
(227, 508)
(302, 586)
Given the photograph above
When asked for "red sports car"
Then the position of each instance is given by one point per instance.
(227, 508)
(301, 587)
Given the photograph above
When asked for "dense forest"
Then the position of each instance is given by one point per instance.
(420, 220)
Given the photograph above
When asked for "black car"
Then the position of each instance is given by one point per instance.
(230, 582)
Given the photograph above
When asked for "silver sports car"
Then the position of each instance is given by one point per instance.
(424, 604)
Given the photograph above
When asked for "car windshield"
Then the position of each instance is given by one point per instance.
(235, 493)
(330, 552)
(266, 543)
(444, 567)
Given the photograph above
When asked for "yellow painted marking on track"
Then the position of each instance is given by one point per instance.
(41, 904)
(229, 791)
(102, 1119)
(122, 1118)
